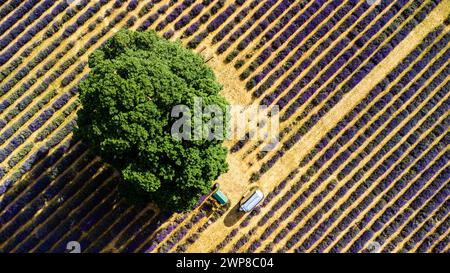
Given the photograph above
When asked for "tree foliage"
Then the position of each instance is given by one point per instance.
(135, 80)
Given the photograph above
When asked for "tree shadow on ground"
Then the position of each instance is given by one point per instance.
(77, 194)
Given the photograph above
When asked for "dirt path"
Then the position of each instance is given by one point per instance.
(236, 181)
(345, 180)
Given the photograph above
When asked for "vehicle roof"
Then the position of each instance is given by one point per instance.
(253, 200)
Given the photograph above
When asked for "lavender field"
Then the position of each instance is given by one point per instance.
(363, 160)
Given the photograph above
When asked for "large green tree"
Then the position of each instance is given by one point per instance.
(135, 80)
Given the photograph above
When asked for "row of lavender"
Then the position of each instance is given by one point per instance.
(315, 14)
(44, 99)
(424, 236)
(33, 241)
(374, 112)
(349, 185)
(439, 237)
(51, 30)
(42, 241)
(344, 155)
(61, 243)
(354, 23)
(250, 22)
(47, 81)
(344, 57)
(12, 129)
(15, 207)
(143, 227)
(207, 211)
(413, 188)
(221, 18)
(352, 74)
(369, 196)
(25, 38)
(340, 126)
(434, 202)
(7, 8)
(200, 210)
(195, 11)
(182, 247)
(41, 56)
(283, 15)
(18, 13)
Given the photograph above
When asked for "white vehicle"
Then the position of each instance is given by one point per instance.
(250, 200)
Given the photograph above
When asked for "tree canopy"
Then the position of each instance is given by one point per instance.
(135, 80)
